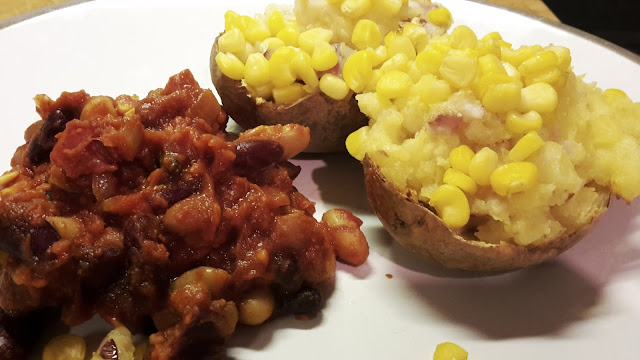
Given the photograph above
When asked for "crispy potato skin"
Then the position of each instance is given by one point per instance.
(418, 229)
(329, 120)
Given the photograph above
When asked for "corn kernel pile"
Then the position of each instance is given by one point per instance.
(282, 57)
(477, 128)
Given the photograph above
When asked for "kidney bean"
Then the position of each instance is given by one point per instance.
(257, 154)
(180, 190)
(292, 170)
(140, 227)
(42, 238)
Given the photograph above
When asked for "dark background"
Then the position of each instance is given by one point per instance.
(615, 20)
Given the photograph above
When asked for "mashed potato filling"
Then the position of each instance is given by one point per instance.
(543, 145)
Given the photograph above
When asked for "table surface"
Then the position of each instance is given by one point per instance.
(10, 8)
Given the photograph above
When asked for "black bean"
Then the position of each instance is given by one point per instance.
(287, 273)
(306, 301)
(11, 238)
(19, 332)
(109, 350)
(42, 238)
(257, 154)
(201, 342)
(43, 142)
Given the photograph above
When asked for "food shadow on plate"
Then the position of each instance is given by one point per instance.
(258, 337)
(539, 300)
(340, 181)
(613, 245)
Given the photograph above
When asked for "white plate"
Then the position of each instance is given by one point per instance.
(584, 305)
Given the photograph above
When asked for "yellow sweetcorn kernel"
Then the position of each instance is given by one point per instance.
(256, 70)
(269, 45)
(452, 205)
(264, 91)
(523, 123)
(379, 55)
(414, 72)
(490, 64)
(490, 46)
(355, 142)
(563, 54)
(440, 17)
(401, 44)
(418, 35)
(552, 77)
(501, 98)
(541, 62)
(288, 94)
(355, 8)
(540, 97)
(289, 35)
(376, 75)
(231, 20)
(481, 84)
(396, 62)
(254, 30)
(230, 66)
(390, 7)
(526, 146)
(462, 37)
(366, 34)
(280, 70)
(275, 22)
(394, 84)
(518, 56)
(461, 180)
(390, 36)
(512, 71)
(333, 86)
(492, 36)
(301, 67)
(483, 163)
(324, 57)
(612, 95)
(460, 158)
(433, 90)
(429, 61)
(357, 71)
(232, 41)
(513, 178)
(450, 351)
(308, 39)
(459, 68)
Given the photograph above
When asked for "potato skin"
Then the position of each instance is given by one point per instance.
(329, 120)
(418, 229)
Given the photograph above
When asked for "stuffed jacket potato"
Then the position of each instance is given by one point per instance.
(483, 156)
(292, 65)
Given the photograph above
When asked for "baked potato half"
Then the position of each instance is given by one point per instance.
(418, 228)
(330, 121)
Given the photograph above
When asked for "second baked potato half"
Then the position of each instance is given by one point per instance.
(418, 228)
